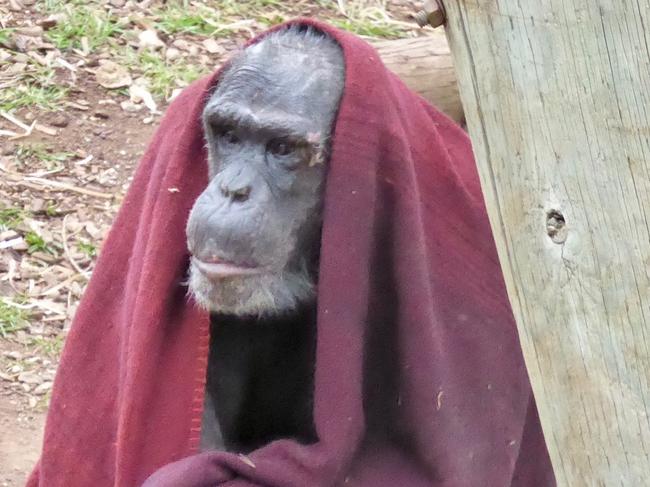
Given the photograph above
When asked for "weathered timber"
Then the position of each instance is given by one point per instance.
(557, 100)
(426, 66)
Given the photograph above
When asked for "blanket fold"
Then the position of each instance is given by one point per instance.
(419, 377)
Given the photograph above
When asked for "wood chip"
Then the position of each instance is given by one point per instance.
(78, 106)
(46, 129)
(31, 31)
(17, 243)
(212, 46)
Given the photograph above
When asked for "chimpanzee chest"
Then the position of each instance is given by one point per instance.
(260, 377)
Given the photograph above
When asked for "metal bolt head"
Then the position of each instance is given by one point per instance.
(432, 13)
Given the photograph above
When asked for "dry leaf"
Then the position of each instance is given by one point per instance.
(129, 106)
(148, 39)
(93, 231)
(29, 378)
(172, 54)
(182, 44)
(212, 46)
(43, 388)
(15, 68)
(31, 31)
(139, 93)
(112, 75)
(16, 6)
(51, 21)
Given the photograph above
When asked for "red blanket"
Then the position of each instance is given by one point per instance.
(409, 286)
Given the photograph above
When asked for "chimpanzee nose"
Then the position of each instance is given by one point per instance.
(236, 193)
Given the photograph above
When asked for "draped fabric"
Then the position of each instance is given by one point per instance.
(419, 376)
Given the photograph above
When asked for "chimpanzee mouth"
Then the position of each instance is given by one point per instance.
(216, 268)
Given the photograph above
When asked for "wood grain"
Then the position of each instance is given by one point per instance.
(557, 100)
(426, 66)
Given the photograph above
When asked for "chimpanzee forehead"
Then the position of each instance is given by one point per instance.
(295, 102)
(263, 120)
(291, 88)
(289, 72)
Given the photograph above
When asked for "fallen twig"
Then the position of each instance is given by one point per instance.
(15, 121)
(45, 305)
(27, 128)
(12, 135)
(58, 286)
(64, 236)
(47, 319)
(37, 183)
(41, 174)
(45, 129)
(69, 187)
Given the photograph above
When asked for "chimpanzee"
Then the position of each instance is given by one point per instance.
(254, 235)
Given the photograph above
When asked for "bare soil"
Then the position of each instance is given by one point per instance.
(20, 441)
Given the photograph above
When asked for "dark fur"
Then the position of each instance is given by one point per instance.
(260, 374)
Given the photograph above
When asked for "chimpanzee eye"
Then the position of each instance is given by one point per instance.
(281, 147)
(227, 135)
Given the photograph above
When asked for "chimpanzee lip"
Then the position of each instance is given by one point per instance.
(216, 268)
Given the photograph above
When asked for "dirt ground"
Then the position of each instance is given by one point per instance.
(20, 442)
(83, 85)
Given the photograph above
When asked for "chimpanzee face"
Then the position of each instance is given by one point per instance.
(254, 231)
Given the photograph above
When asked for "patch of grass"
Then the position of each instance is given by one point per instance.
(370, 22)
(249, 8)
(272, 18)
(12, 318)
(51, 209)
(87, 248)
(253, 4)
(162, 76)
(35, 87)
(369, 29)
(11, 217)
(41, 153)
(223, 20)
(50, 346)
(5, 35)
(36, 243)
(368, 19)
(31, 93)
(178, 18)
(96, 25)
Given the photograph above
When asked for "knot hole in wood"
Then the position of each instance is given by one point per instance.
(556, 226)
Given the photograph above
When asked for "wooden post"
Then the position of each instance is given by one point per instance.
(426, 66)
(557, 99)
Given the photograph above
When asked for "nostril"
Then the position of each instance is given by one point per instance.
(241, 194)
(238, 195)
